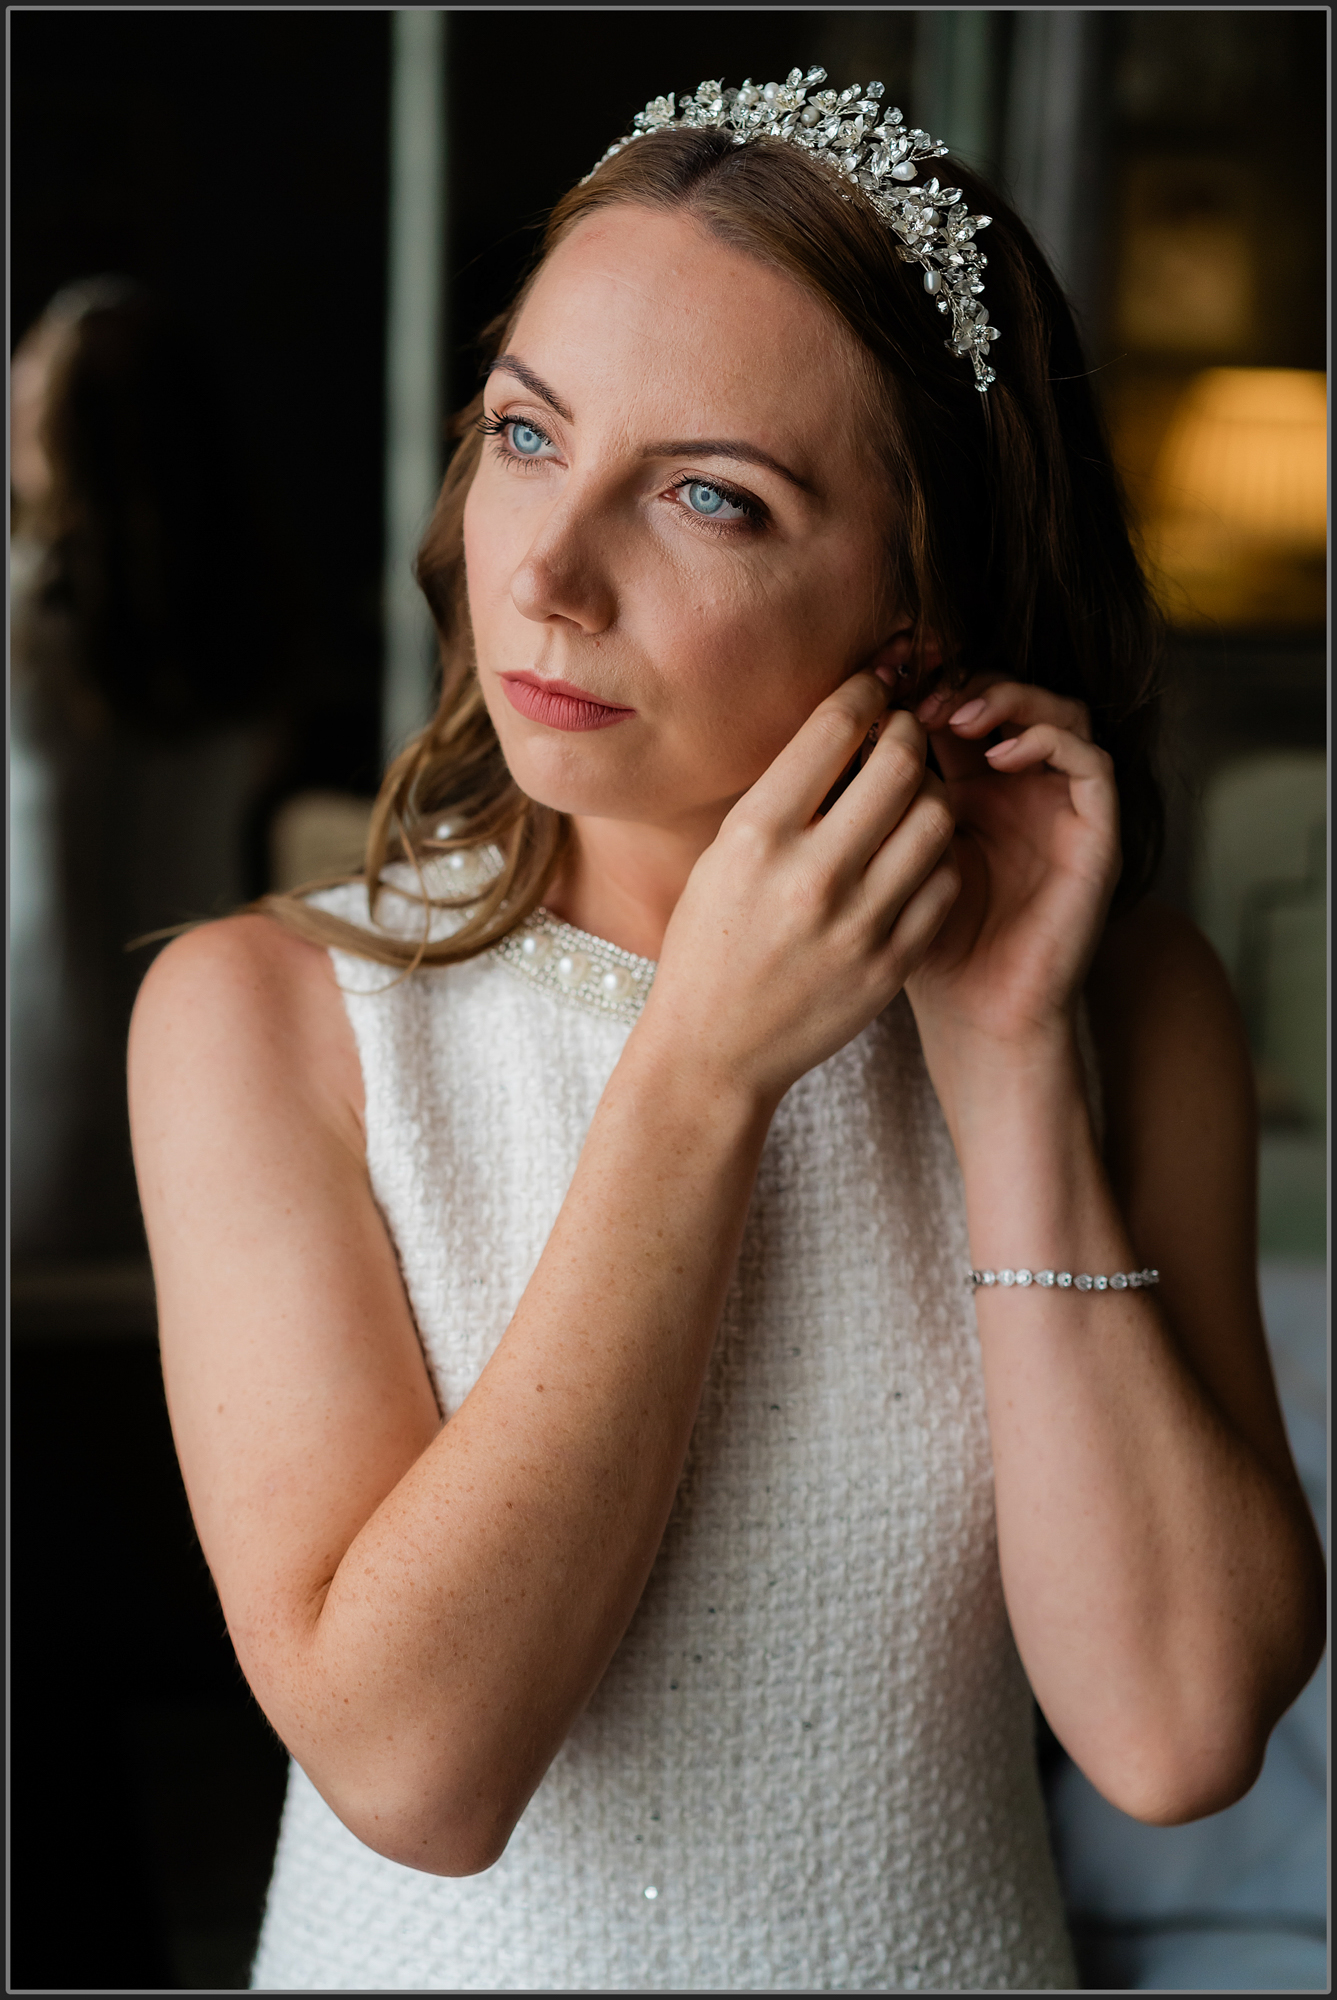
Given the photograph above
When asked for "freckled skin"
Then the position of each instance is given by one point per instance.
(588, 567)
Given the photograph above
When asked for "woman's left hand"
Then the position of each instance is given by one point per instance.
(1038, 846)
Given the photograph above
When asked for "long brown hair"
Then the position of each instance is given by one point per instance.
(1010, 543)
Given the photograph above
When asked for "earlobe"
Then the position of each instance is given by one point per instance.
(893, 658)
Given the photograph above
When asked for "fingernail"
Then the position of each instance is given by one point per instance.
(968, 712)
(998, 749)
(930, 706)
(887, 674)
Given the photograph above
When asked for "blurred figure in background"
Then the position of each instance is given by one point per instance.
(144, 662)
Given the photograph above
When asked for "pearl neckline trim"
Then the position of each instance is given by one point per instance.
(581, 970)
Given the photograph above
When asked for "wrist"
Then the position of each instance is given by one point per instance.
(673, 1082)
(1004, 1091)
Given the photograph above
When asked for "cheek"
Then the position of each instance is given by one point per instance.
(481, 567)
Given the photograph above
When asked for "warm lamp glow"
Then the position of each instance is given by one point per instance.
(1247, 451)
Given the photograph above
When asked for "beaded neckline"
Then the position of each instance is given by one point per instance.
(581, 970)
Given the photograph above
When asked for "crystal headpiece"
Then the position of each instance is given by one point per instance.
(873, 148)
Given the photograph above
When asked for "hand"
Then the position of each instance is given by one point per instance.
(1037, 844)
(794, 931)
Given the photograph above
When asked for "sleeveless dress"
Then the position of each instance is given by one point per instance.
(810, 1766)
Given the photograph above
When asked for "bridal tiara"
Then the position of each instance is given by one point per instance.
(874, 149)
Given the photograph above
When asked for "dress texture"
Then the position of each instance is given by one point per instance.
(810, 1766)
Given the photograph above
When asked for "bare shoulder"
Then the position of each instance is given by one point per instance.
(1166, 1023)
(1155, 967)
(244, 997)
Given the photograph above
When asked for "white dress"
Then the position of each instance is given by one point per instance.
(810, 1766)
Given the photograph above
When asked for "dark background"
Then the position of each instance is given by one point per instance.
(237, 160)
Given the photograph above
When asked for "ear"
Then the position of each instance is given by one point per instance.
(892, 660)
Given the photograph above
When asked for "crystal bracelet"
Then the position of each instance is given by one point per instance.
(1118, 1281)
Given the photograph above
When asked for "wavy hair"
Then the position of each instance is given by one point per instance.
(1009, 543)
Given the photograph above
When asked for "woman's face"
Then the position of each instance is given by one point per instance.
(680, 517)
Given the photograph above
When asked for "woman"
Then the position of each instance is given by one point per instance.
(688, 1650)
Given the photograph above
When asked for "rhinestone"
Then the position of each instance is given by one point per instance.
(1007, 1277)
(1119, 1282)
(1134, 1280)
(459, 862)
(572, 967)
(651, 1893)
(1100, 1284)
(989, 1277)
(1045, 1278)
(1063, 1280)
(1023, 1277)
(443, 829)
(1083, 1283)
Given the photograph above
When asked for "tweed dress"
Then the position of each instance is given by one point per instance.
(810, 1766)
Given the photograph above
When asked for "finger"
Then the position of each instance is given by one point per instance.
(1013, 704)
(868, 809)
(911, 851)
(789, 793)
(958, 758)
(923, 914)
(1089, 770)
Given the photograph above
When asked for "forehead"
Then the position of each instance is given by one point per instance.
(653, 307)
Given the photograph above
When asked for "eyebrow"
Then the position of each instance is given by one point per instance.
(737, 449)
(535, 384)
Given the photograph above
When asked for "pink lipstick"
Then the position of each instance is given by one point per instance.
(558, 705)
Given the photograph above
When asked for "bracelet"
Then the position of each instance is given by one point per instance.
(1118, 1281)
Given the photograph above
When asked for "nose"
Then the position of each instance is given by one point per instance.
(565, 571)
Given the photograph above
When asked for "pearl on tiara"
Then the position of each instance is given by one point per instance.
(850, 132)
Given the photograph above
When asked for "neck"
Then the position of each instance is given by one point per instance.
(621, 880)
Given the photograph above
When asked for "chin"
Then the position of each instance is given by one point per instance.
(583, 775)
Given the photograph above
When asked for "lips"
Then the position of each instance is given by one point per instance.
(558, 705)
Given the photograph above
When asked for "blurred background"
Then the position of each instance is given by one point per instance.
(250, 254)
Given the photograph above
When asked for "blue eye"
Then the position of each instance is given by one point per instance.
(526, 442)
(710, 501)
(705, 499)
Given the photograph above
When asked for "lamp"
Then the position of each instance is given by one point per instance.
(1239, 496)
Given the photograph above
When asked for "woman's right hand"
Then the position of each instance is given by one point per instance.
(400, 1590)
(794, 931)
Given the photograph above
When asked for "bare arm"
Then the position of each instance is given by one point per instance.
(423, 1610)
(1162, 1573)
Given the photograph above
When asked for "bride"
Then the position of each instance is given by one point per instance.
(727, 1260)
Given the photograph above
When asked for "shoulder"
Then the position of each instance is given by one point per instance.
(244, 1002)
(1157, 991)
(1154, 943)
